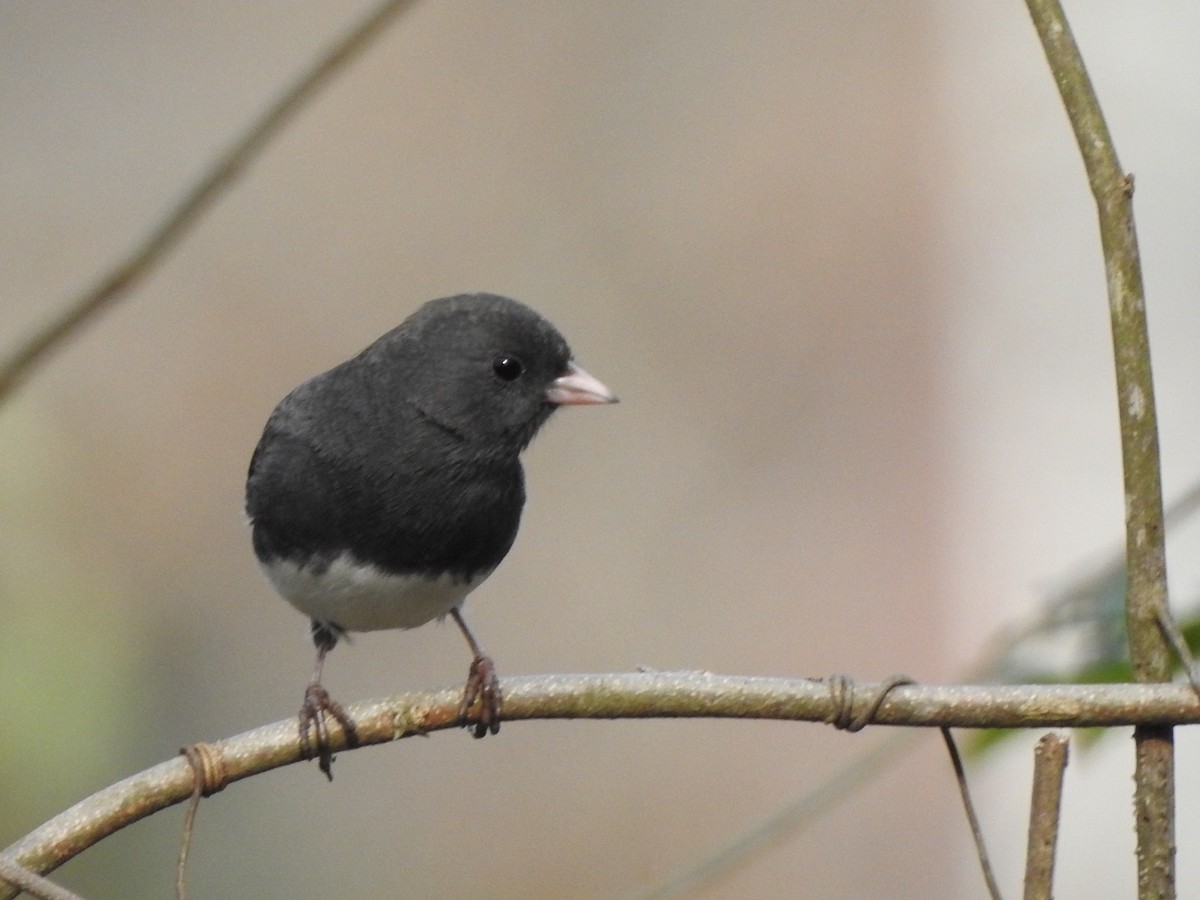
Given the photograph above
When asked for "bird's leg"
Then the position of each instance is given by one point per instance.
(318, 703)
(482, 685)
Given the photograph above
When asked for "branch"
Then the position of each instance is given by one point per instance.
(1146, 595)
(1049, 764)
(702, 874)
(638, 695)
(32, 884)
(116, 283)
(960, 776)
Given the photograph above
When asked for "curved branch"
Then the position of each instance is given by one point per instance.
(1146, 613)
(637, 695)
(114, 284)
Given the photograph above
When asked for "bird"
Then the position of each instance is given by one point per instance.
(385, 490)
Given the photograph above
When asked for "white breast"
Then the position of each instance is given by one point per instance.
(357, 596)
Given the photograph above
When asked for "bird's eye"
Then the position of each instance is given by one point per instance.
(508, 368)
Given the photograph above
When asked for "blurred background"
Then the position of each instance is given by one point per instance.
(840, 262)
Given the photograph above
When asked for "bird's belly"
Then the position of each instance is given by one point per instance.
(357, 596)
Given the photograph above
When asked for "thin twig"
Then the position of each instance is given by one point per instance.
(1174, 634)
(960, 776)
(1049, 763)
(798, 813)
(208, 777)
(1146, 594)
(185, 844)
(220, 176)
(1082, 600)
(31, 883)
(784, 822)
(635, 695)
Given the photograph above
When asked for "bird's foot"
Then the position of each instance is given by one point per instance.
(482, 686)
(316, 707)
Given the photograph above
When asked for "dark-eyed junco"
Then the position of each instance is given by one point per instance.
(385, 490)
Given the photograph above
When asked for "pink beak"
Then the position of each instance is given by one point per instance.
(578, 388)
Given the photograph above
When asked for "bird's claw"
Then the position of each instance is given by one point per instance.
(317, 705)
(482, 686)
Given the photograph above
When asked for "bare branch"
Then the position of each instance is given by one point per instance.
(1049, 763)
(636, 695)
(116, 283)
(960, 776)
(782, 823)
(31, 883)
(1146, 596)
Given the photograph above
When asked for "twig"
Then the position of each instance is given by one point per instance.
(1146, 595)
(797, 814)
(185, 844)
(113, 285)
(960, 776)
(1174, 634)
(1049, 763)
(1083, 601)
(782, 823)
(636, 695)
(31, 883)
(208, 777)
